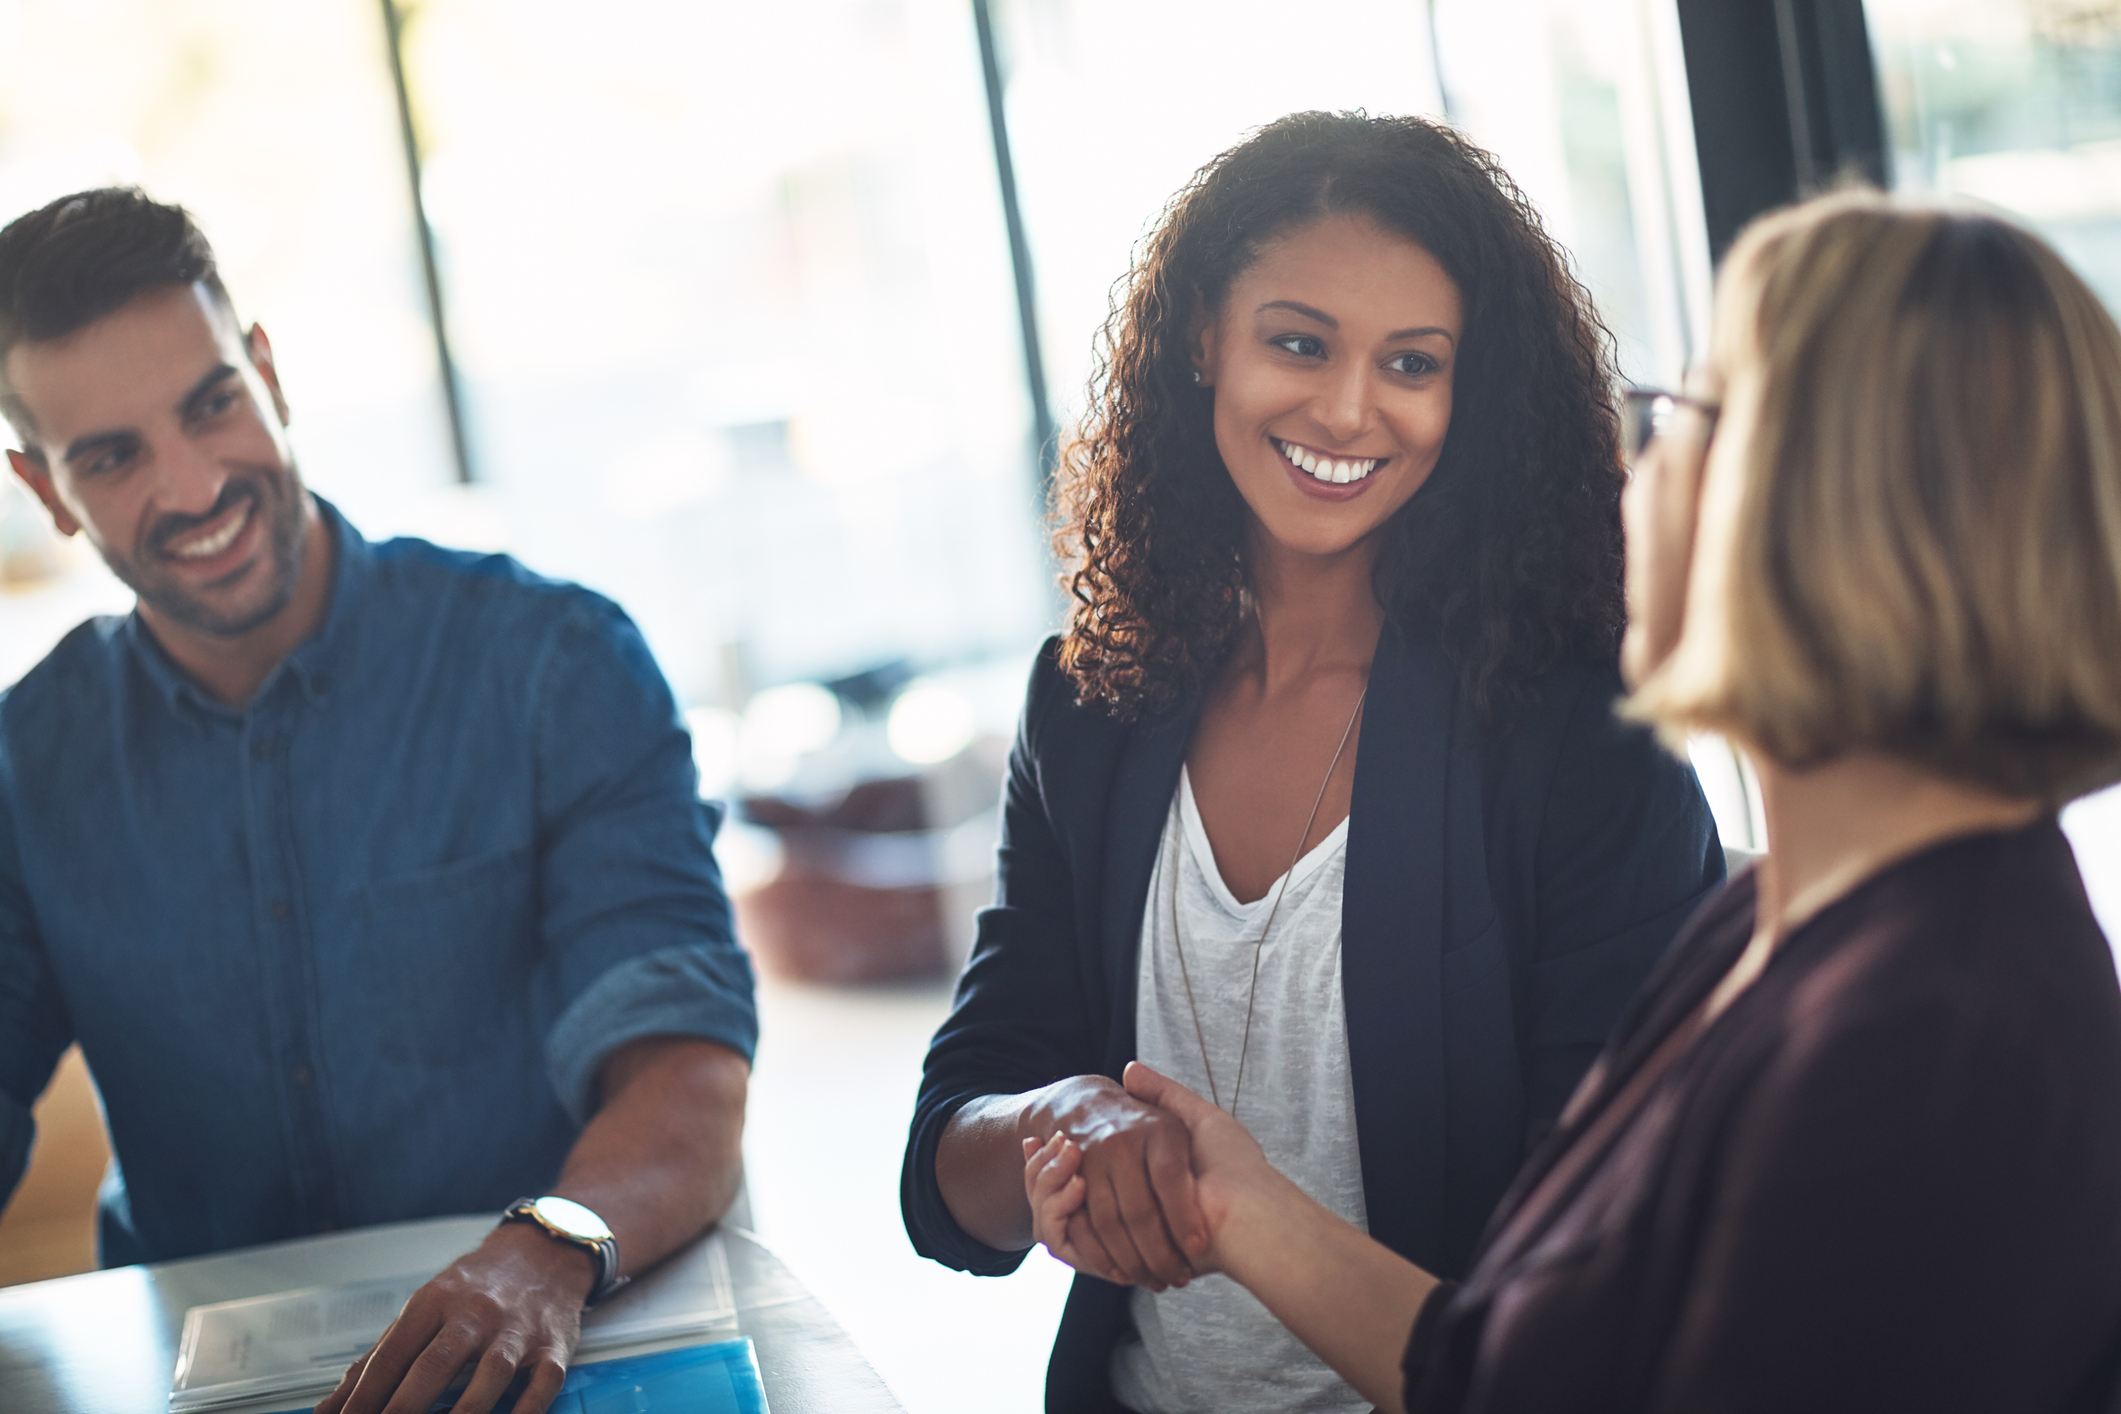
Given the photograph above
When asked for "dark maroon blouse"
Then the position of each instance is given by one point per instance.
(1887, 1177)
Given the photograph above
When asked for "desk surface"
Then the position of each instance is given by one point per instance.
(106, 1342)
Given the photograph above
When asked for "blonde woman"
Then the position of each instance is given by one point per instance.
(1858, 1145)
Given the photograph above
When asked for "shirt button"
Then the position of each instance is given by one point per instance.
(301, 1075)
(262, 747)
(280, 911)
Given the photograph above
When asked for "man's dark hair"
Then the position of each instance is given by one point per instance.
(72, 261)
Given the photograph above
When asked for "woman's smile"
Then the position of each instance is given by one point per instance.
(1327, 477)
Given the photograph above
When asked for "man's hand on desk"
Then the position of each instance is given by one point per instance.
(658, 1162)
(511, 1307)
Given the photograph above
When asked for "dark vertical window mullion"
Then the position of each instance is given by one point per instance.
(1019, 245)
(452, 390)
(1785, 101)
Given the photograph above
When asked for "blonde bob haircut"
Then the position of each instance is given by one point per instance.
(1909, 539)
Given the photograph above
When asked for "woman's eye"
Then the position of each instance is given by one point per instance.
(1302, 345)
(1414, 365)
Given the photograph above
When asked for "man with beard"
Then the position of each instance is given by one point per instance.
(372, 879)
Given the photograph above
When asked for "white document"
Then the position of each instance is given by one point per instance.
(296, 1344)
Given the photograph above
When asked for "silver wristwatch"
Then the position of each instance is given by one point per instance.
(568, 1221)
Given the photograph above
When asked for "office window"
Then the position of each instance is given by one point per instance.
(2017, 103)
(1581, 104)
(730, 295)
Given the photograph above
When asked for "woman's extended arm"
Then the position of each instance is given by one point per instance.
(1016, 1058)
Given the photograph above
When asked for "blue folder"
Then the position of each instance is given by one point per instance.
(722, 1378)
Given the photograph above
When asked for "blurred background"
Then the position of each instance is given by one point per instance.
(765, 319)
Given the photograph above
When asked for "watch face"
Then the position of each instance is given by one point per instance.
(571, 1218)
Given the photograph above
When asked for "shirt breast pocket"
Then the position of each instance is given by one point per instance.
(454, 951)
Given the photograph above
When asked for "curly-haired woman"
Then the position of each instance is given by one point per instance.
(1319, 803)
(1858, 1146)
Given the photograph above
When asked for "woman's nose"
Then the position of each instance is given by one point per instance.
(1343, 407)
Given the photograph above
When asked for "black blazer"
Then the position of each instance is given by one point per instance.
(1505, 894)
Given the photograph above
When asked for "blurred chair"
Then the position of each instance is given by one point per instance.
(49, 1227)
(870, 879)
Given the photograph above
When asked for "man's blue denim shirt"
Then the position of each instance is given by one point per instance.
(353, 954)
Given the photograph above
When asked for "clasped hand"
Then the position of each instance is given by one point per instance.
(1162, 1175)
(510, 1309)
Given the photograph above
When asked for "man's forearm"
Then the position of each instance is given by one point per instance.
(661, 1158)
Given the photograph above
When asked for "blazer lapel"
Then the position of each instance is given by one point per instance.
(1392, 944)
(1140, 802)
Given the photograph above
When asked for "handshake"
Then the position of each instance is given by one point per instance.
(1138, 1183)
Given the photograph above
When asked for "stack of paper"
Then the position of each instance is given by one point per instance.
(296, 1344)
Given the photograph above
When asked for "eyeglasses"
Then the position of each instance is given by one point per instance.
(1646, 413)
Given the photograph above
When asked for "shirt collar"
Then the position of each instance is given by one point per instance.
(353, 563)
(310, 665)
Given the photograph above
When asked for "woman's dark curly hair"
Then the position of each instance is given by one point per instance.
(1512, 547)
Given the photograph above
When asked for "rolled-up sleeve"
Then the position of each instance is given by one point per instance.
(636, 931)
(1627, 849)
(34, 1027)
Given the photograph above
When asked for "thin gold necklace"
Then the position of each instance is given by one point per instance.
(1259, 945)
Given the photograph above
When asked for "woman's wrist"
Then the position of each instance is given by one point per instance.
(1262, 1222)
(1348, 1297)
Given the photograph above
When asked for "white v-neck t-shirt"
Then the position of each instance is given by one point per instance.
(1211, 1346)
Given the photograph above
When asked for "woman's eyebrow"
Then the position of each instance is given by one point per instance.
(1312, 312)
(1299, 307)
